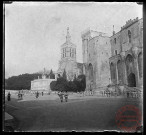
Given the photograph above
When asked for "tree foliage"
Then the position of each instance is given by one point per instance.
(52, 76)
(64, 75)
(20, 82)
(78, 85)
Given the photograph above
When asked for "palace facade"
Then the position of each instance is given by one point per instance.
(126, 62)
(114, 60)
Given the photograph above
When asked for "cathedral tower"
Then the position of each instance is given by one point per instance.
(68, 49)
(68, 58)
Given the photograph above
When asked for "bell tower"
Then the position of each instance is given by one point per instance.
(68, 57)
(68, 49)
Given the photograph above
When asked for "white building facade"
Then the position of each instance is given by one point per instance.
(42, 84)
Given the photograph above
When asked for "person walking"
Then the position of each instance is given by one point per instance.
(127, 94)
(66, 96)
(109, 93)
(37, 94)
(19, 95)
(60, 94)
(9, 96)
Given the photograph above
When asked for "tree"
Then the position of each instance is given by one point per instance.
(72, 86)
(21, 81)
(52, 85)
(52, 76)
(64, 75)
(60, 85)
(80, 83)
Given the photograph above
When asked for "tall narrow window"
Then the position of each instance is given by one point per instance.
(129, 36)
(115, 40)
(115, 52)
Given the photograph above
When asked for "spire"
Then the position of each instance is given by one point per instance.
(113, 30)
(43, 75)
(68, 37)
(44, 71)
(64, 75)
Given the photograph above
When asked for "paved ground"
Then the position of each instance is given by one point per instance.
(90, 113)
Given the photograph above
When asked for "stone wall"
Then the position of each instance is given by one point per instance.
(96, 53)
(129, 44)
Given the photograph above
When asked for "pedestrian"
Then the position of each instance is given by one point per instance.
(42, 93)
(127, 94)
(66, 96)
(37, 94)
(109, 93)
(61, 96)
(19, 95)
(9, 96)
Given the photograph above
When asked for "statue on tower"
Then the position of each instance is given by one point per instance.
(68, 37)
(43, 75)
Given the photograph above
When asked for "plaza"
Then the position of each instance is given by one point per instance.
(92, 58)
(80, 113)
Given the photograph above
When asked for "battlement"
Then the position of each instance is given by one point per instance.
(85, 32)
(129, 23)
(92, 33)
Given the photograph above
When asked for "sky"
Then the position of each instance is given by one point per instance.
(35, 31)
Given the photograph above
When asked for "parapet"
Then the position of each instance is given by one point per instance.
(129, 23)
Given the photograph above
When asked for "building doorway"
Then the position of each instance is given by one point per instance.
(90, 72)
(131, 80)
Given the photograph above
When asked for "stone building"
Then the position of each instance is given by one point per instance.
(126, 49)
(96, 52)
(42, 84)
(68, 59)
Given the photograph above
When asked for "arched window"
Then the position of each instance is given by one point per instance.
(129, 36)
(130, 71)
(90, 72)
(119, 66)
(115, 40)
(129, 64)
(113, 71)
